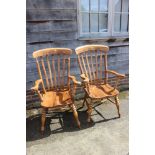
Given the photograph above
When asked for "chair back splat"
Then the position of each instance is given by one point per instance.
(53, 65)
(92, 60)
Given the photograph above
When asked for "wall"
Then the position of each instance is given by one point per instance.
(53, 23)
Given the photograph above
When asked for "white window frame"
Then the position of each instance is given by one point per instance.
(123, 34)
(109, 34)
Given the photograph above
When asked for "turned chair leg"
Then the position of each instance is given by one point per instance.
(43, 119)
(89, 111)
(84, 101)
(117, 105)
(75, 115)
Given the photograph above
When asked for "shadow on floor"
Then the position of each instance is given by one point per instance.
(62, 122)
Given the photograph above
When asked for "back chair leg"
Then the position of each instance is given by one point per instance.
(84, 101)
(117, 105)
(89, 111)
(75, 115)
(43, 119)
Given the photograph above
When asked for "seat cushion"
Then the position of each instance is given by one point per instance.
(101, 91)
(54, 99)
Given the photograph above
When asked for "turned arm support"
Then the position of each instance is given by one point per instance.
(85, 80)
(75, 83)
(118, 75)
(35, 88)
(73, 78)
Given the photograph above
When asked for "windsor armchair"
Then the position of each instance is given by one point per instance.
(53, 66)
(92, 61)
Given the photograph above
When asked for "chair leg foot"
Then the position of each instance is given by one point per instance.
(117, 105)
(43, 120)
(75, 115)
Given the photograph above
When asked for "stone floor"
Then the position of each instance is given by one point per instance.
(108, 135)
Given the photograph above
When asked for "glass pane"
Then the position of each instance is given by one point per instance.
(84, 5)
(125, 6)
(124, 23)
(104, 5)
(103, 22)
(117, 22)
(94, 22)
(85, 22)
(117, 5)
(94, 5)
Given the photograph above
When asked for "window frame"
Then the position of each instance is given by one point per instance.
(99, 35)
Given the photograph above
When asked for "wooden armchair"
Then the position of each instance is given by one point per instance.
(92, 60)
(53, 65)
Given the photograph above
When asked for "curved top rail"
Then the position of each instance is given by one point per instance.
(85, 48)
(47, 51)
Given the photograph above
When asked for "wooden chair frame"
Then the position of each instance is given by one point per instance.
(54, 89)
(95, 86)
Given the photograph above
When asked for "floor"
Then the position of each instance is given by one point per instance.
(107, 135)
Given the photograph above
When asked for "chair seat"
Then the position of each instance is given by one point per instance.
(53, 99)
(101, 91)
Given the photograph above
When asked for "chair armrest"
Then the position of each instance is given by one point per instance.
(115, 73)
(85, 81)
(119, 76)
(75, 83)
(36, 86)
(84, 78)
(73, 78)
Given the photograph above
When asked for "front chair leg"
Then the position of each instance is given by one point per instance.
(89, 111)
(75, 115)
(117, 105)
(43, 119)
(84, 101)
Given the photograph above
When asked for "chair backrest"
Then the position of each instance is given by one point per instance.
(92, 60)
(53, 66)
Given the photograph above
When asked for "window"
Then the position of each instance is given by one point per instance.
(103, 18)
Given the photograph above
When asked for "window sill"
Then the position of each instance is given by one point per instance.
(108, 39)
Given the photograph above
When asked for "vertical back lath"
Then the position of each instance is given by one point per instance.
(39, 71)
(49, 68)
(45, 73)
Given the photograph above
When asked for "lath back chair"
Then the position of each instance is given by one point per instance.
(53, 66)
(92, 61)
